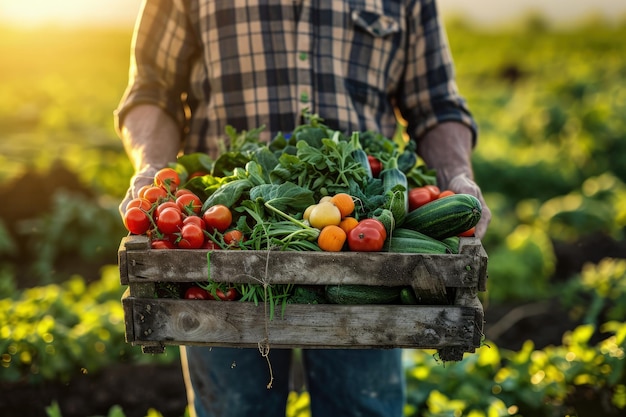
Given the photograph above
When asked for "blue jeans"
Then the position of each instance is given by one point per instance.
(348, 383)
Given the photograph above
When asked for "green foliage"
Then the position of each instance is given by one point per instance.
(74, 225)
(522, 267)
(57, 331)
(494, 382)
(599, 293)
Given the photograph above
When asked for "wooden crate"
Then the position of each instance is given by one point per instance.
(449, 317)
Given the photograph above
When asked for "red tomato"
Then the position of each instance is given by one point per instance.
(375, 165)
(155, 194)
(189, 203)
(182, 191)
(233, 237)
(191, 237)
(367, 236)
(195, 220)
(468, 233)
(231, 294)
(136, 221)
(142, 191)
(164, 205)
(434, 191)
(167, 178)
(217, 217)
(142, 203)
(197, 293)
(210, 245)
(198, 174)
(418, 197)
(170, 220)
(162, 244)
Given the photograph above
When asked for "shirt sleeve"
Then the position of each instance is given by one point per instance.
(430, 94)
(162, 50)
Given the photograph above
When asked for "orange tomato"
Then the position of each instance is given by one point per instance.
(446, 193)
(344, 203)
(331, 238)
(348, 223)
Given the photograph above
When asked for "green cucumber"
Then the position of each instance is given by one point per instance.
(396, 244)
(361, 294)
(445, 217)
(452, 243)
(407, 296)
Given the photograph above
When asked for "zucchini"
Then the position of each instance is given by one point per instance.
(411, 245)
(445, 217)
(362, 294)
(395, 189)
(452, 243)
(359, 155)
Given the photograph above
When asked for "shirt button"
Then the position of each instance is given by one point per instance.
(304, 97)
(303, 56)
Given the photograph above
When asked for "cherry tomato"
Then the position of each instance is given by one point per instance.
(197, 293)
(231, 294)
(198, 174)
(210, 245)
(167, 178)
(375, 165)
(468, 233)
(195, 220)
(189, 203)
(445, 193)
(434, 191)
(191, 237)
(142, 191)
(418, 197)
(155, 194)
(182, 191)
(164, 205)
(142, 203)
(217, 217)
(136, 221)
(162, 244)
(170, 220)
(233, 237)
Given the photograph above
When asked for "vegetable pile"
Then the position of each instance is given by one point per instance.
(313, 190)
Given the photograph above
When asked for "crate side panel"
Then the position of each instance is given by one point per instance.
(312, 268)
(318, 326)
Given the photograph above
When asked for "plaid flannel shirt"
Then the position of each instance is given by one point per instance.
(256, 63)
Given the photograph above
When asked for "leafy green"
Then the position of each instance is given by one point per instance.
(285, 197)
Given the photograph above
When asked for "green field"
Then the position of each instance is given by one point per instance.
(551, 110)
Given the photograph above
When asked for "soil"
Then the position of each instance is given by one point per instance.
(136, 388)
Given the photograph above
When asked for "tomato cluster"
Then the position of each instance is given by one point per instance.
(173, 218)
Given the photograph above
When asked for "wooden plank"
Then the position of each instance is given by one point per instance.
(242, 324)
(472, 247)
(313, 268)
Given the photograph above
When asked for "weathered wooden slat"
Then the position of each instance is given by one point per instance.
(312, 268)
(220, 323)
(473, 247)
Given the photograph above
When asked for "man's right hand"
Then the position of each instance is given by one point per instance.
(140, 179)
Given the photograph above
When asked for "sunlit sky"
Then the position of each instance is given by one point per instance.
(123, 12)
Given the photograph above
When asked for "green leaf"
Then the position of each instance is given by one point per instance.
(285, 197)
(228, 194)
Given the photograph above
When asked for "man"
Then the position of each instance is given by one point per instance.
(198, 66)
